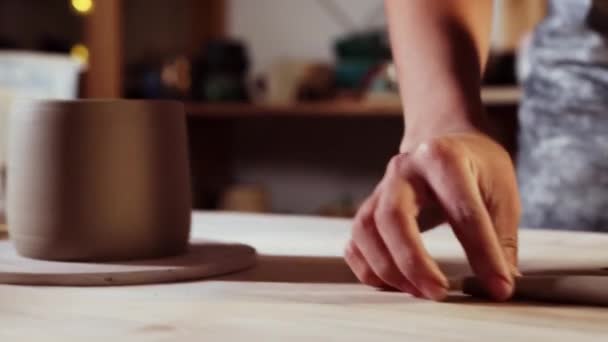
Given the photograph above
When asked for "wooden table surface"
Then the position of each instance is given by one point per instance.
(301, 290)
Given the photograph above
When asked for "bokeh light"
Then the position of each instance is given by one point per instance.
(81, 53)
(82, 6)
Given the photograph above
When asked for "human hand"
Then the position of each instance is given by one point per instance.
(463, 178)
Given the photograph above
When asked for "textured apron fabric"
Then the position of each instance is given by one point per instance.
(563, 138)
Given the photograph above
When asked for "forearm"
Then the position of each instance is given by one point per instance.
(440, 48)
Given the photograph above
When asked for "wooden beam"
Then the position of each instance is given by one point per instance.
(208, 22)
(103, 37)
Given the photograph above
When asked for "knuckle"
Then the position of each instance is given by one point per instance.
(362, 227)
(387, 215)
(438, 149)
(394, 162)
(509, 242)
(366, 219)
(466, 213)
(398, 164)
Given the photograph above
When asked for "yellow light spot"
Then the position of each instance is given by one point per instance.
(82, 6)
(81, 53)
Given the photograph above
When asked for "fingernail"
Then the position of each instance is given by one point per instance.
(514, 271)
(434, 291)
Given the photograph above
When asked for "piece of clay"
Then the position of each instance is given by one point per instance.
(565, 289)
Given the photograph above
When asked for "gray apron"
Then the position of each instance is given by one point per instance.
(563, 139)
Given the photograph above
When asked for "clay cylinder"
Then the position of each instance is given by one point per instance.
(95, 180)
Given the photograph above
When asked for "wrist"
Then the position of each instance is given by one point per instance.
(446, 103)
(420, 128)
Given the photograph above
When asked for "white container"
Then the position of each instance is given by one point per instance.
(33, 75)
(39, 75)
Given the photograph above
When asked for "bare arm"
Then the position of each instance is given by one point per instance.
(440, 48)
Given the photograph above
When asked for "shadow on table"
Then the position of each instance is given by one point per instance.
(313, 269)
(333, 270)
(326, 270)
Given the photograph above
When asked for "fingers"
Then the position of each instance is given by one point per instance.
(457, 190)
(357, 263)
(395, 217)
(359, 266)
(369, 253)
(505, 213)
(387, 241)
(443, 179)
(500, 194)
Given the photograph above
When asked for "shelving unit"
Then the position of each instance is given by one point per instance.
(314, 109)
(105, 35)
(118, 33)
(371, 130)
(492, 96)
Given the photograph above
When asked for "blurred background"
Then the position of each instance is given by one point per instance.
(292, 105)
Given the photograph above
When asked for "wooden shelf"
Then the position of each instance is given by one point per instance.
(351, 108)
(492, 96)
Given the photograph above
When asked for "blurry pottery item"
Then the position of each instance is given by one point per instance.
(202, 260)
(248, 198)
(98, 179)
(283, 79)
(32, 75)
(317, 83)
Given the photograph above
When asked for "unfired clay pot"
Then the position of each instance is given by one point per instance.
(97, 180)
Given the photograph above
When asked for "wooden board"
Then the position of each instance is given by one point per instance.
(301, 290)
(203, 259)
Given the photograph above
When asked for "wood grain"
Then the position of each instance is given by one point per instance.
(301, 290)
